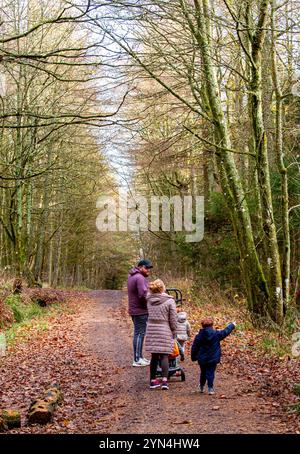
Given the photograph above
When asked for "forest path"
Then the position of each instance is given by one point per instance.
(87, 349)
(181, 409)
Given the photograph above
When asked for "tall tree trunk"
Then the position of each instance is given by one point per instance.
(275, 301)
(50, 252)
(255, 282)
(286, 250)
(39, 257)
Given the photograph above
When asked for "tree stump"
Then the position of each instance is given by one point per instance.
(3, 425)
(41, 410)
(11, 418)
(17, 285)
(53, 395)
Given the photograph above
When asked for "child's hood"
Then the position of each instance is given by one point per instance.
(207, 333)
(181, 317)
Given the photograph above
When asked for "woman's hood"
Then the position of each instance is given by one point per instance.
(158, 298)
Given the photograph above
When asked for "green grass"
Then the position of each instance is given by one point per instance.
(6, 286)
(30, 317)
(58, 308)
(296, 389)
(245, 325)
(294, 408)
(75, 288)
(292, 316)
(22, 332)
(21, 311)
(274, 346)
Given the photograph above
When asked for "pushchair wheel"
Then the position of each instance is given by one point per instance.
(182, 376)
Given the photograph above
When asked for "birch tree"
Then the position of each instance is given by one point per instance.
(183, 57)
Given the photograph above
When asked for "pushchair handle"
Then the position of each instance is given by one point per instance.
(178, 295)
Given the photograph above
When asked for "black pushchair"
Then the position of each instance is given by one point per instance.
(175, 368)
(177, 295)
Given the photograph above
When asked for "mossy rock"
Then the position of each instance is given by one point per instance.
(12, 418)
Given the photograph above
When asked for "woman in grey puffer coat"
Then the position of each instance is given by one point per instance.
(161, 331)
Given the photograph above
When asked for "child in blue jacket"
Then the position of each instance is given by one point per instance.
(206, 349)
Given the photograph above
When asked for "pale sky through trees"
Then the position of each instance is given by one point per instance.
(183, 97)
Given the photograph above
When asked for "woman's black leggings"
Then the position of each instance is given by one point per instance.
(164, 362)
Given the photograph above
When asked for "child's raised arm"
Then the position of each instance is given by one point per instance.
(225, 332)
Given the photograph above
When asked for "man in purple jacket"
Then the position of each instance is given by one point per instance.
(137, 307)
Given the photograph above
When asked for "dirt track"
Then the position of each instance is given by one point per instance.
(182, 409)
(88, 351)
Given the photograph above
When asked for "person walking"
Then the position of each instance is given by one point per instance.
(183, 329)
(161, 331)
(206, 349)
(137, 308)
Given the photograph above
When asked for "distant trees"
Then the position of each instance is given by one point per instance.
(207, 90)
(231, 68)
(51, 167)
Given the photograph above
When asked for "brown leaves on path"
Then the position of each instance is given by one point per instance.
(270, 377)
(59, 355)
(85, 349)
